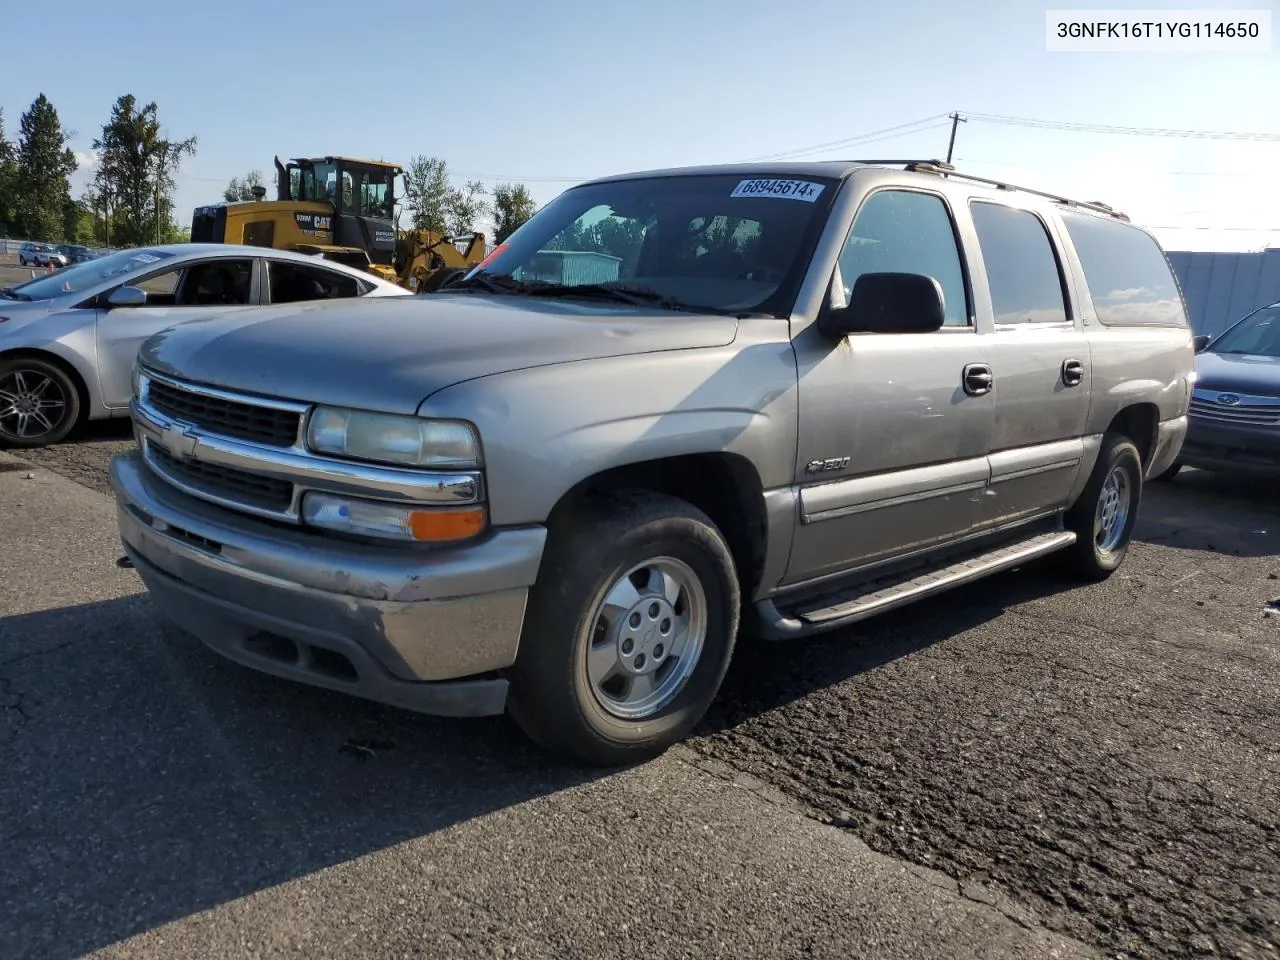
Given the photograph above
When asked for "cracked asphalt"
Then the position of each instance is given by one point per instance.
(1026, 768)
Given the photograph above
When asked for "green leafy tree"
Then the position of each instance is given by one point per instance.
(44, 168)
(241, 188)
(427, 193)
(136, 172)
(512, 206)
(465, 206)
(8, 183)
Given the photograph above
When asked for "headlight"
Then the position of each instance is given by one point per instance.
(384, 438)
(135, 376)
(392, 521)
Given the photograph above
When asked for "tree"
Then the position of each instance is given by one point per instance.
(136, 173)
(512, 206)
(241, 188)
(427, 193)
(464, 207)
(8, 183)
(44, 168)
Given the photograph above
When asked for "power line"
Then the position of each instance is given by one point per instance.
(1129, 131)
(847, 141)
(1144, 172)
(1223, 229)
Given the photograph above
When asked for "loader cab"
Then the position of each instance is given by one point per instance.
(361, 193)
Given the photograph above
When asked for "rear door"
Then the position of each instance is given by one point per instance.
(175, 295)
(288, 281)
(1039, 360)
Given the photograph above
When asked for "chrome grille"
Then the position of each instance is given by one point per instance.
(1249, 411)
(230, 418)
(224, 483)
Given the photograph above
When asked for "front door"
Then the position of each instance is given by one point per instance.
(174, 296)
(892, 448)
(1040, 364)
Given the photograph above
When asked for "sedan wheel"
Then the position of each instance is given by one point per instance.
(38, 403)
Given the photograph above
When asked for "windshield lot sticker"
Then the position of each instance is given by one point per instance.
(145, 258)
(783, 189)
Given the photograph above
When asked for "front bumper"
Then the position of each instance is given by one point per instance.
(421, 630)
(1232, 448)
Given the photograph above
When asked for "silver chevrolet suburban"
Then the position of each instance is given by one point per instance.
(778, 398)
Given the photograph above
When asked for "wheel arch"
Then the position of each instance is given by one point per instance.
(725, 486)
(62, 363)
(1139, 422)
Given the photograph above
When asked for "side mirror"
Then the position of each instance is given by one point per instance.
(888, 303)
(127, 297)
(1200, 342)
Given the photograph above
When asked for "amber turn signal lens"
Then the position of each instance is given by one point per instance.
(443, 525)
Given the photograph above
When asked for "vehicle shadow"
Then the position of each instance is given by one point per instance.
(146, 779)
(99, 431)
(1212, 512)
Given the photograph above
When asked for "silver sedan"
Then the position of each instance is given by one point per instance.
(68, 339)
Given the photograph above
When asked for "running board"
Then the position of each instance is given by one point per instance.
(841, 607)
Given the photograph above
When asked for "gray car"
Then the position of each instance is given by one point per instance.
(782, 397)
(68, 340)
(1234, 422)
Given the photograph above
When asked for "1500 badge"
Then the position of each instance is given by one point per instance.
(826, 466)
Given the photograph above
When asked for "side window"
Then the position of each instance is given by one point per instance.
(217, 283)
(1128, 276)
(1022, 267)
(901, 231)
(160, 287)
(296, 282)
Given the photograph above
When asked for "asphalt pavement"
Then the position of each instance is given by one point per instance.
(158, 800)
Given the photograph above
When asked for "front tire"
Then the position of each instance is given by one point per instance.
(39, 403)
(1168, 474)
(1104, 516)
(629, 630)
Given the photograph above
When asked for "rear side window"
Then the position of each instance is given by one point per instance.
(1127, 273)
(1022, 267)
(295, 282)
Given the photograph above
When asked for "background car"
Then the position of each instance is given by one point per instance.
(29, 253)
(68, 340)
(1234, 420)
(75, 253)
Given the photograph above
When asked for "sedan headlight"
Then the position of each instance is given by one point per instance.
(135, 379)
(385, 438)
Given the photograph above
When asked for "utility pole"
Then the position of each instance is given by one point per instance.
(956, 120)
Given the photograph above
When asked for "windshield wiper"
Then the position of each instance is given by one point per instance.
(636, 296)
(501, 283)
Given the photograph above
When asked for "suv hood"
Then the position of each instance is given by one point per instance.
(1238, 373)
(391, 353)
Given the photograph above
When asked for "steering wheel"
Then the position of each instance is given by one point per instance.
(761, 275)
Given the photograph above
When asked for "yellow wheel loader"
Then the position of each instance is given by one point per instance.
(342, 209)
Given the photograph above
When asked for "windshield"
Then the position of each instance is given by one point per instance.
(722, 243)
(82, 276)
(1257, 334)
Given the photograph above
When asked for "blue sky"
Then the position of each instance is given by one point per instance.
(561, 90)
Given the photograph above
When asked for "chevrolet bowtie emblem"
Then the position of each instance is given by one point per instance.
(180, 444)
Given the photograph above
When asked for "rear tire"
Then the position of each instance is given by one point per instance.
(613, 669)
(39, 403)
(1104, 516)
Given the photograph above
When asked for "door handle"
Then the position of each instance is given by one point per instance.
(1072, 373)
(977, 379)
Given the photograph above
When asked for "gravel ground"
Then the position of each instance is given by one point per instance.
(1102, 760)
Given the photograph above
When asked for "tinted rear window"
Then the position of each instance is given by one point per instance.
(1127, 273)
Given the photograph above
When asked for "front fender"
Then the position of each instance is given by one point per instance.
(546, 429)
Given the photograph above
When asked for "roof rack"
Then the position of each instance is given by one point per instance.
(943, 169)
